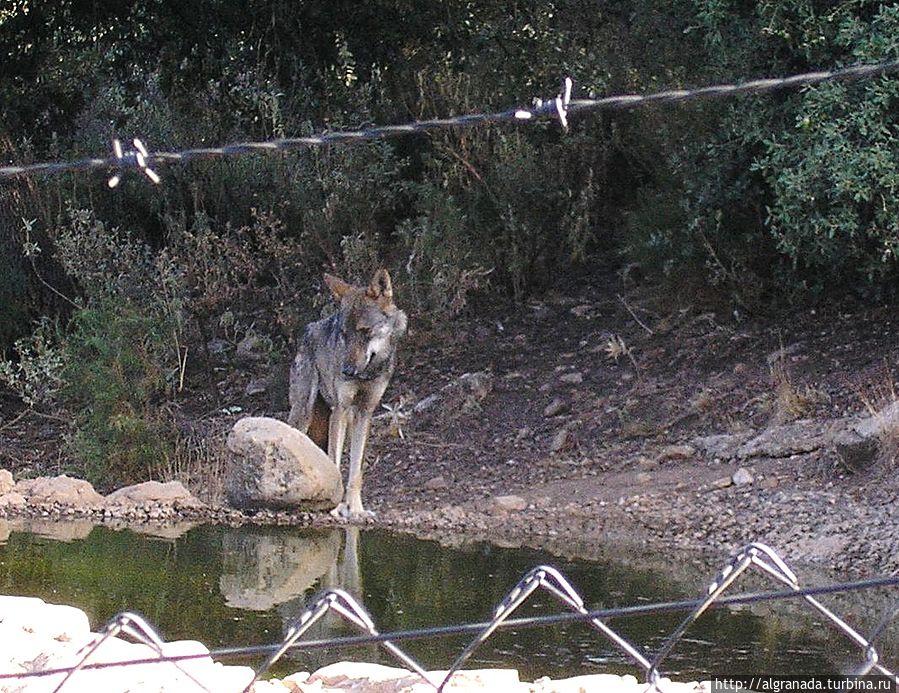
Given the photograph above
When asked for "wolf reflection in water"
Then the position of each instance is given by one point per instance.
(267, 570)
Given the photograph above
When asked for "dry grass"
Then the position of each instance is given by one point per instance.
(792, 401)
(789, 402)
(882, 404)
(616, 347)
(198, 462)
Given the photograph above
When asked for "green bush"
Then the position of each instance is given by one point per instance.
(125, 352)
(790, 192)
(116, 386)
(764, 196)
(35, 374)
(443, 263)
(834, 175)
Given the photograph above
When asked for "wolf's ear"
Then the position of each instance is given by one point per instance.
(338, 286)
(381, 287)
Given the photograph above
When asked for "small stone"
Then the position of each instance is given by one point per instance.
(575, 378)
(251, 348)
(556, 407)
(770, 482)
(427, 403)
(561, 441)
(216, 347)
(676, 452)
(510, 503)
(723, 482)
(643, 477)
(523, 434)
(742, 477)
(437, 483)
(581, 311)
(782, 353)
(6, 481)
(257, 386)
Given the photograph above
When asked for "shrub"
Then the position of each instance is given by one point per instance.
(443, 264)
(35, 375)
(116, 385)
(126, 349)
(793, 191)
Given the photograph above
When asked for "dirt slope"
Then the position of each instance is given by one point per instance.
(603, 448)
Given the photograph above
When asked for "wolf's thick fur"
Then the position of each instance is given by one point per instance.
(341, 371)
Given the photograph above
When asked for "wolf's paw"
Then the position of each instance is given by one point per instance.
(359, 516)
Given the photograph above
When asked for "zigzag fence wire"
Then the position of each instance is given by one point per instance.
(134, 626)
(756, 555)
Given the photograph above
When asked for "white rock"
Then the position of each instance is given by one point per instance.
(591, 682)
(12, 499)
(437, 483)
(171, 493)
(33, 615)
(272, 465)
(377, 678)
(64, 490)
(742, 476)
(510, 503)
(6, 481)
(575, 378)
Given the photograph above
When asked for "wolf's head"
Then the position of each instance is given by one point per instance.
(370, 324)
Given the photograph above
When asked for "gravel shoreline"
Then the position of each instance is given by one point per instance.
(853, 531)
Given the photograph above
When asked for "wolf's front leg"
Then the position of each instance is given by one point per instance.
(351, 509)
(340, 418)
(358, 441)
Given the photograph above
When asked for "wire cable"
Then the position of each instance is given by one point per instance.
(559, 107)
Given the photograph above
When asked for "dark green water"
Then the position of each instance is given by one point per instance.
(228, 586)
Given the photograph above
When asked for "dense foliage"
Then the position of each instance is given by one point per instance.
(773, 195)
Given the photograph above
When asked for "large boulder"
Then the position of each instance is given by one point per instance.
(273, 466)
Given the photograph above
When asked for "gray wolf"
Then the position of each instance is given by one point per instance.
(340, 372)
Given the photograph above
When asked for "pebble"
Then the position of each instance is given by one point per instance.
(676, 452)
(437, 483)
(510, 503)
(742, 477)
(561, 440)
(556, 407)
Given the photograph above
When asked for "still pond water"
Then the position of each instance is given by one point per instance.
(227, 586)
